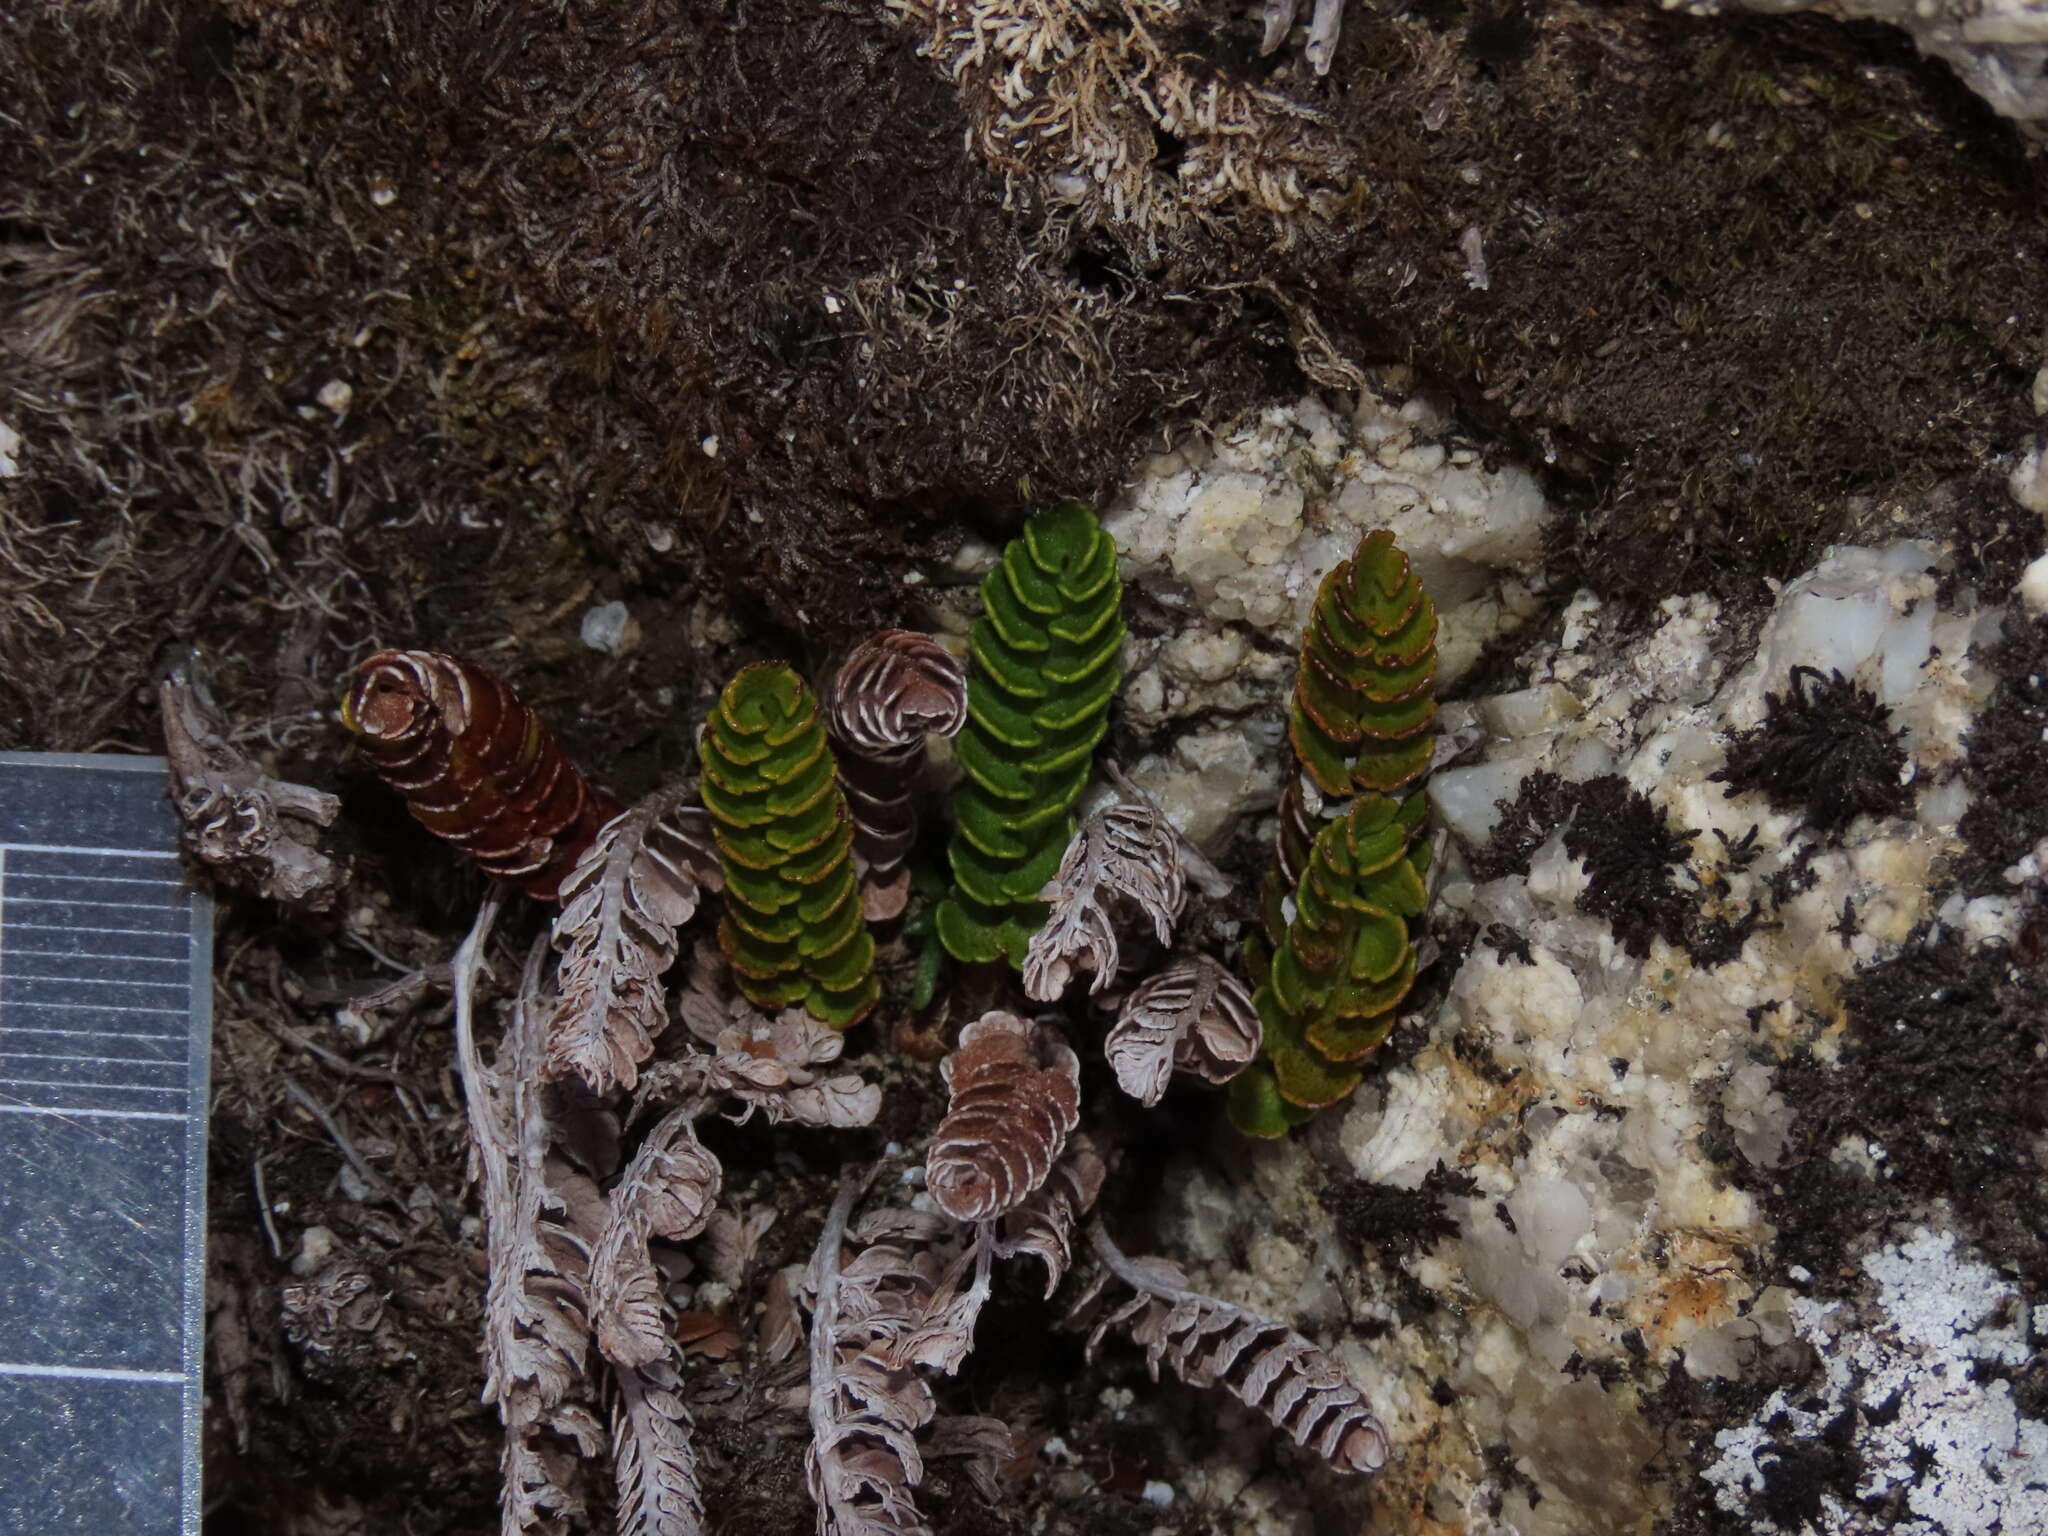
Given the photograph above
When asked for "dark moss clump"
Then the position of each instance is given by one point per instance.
(1946, 1068)
(1538, 809)
(2008, 811)
(1740, 268)
(1827, 748)
(1387, 1223)
(1632, 855)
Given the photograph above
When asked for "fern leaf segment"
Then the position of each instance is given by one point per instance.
(1044, 670)
(792, 924)
(1363, 703)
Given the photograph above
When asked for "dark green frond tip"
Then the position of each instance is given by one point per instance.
(1363, 702)
(1043, 672)
(792, 926)
(1342, 965)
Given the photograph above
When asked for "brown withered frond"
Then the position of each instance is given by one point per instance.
(1194, 1015)
(633, 887)
(254, 831)
(668, 1190)
(773, 1065)
(539, 1223)
(863, 1465)
(982, 1445)
(894, 690)
(1124, 856)
(655, 1464)
(1016, 1095)
(475, 765)
(1264, 1364)
(1043, 1226)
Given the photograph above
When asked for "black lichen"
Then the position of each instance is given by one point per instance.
(1632, 855)
(1826, 749)
(1635, 863)
(1387, 1223)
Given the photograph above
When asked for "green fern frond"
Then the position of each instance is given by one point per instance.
(792, 926)
(1331, 974)
(1328, 990)
(1044, 671)
(1363, 703)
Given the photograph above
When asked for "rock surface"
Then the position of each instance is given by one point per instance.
(1681, 843)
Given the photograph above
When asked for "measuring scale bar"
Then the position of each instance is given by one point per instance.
(105, 1009)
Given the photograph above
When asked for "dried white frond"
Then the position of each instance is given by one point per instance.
(1194, 1015)
(538, 1233)
(732, 1241)
(668, 1190)
(254, 831)
(1072, 96)
(1016, 1095)
(1123, 856)
(896, 688)
(537, 1329)
(1043, 1226)
(982, 1444)
(767, 1064)
(863, 1463)
(655, 1464)
(1265, 1364)
(634, 886)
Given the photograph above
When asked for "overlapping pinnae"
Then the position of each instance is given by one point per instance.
(476, 766)
(1195, 1016)
(1016, 1094)
(1264, 1364)
(634, 886)
(896, 689)
(1126, 856)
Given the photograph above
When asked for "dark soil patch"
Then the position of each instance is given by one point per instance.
(2008, 811)
(1727, 278)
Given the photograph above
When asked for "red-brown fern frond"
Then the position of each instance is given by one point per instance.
(475, 765)
(896, 688)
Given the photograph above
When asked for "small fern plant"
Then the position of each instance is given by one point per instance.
(1364, 701)
(1044, 669)
(792, 925)
(1328, 990)
(1332, 971)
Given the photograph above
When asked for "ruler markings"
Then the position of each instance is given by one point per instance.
(105, 990)
(105, 1061)
(8, 1004)
(90, 853)
(33, 1082)
(88, 1372)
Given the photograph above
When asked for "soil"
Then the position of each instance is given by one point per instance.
(333, 325)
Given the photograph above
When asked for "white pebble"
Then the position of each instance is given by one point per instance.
(2033, 587)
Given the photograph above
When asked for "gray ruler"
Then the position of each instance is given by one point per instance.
(105, 1009)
